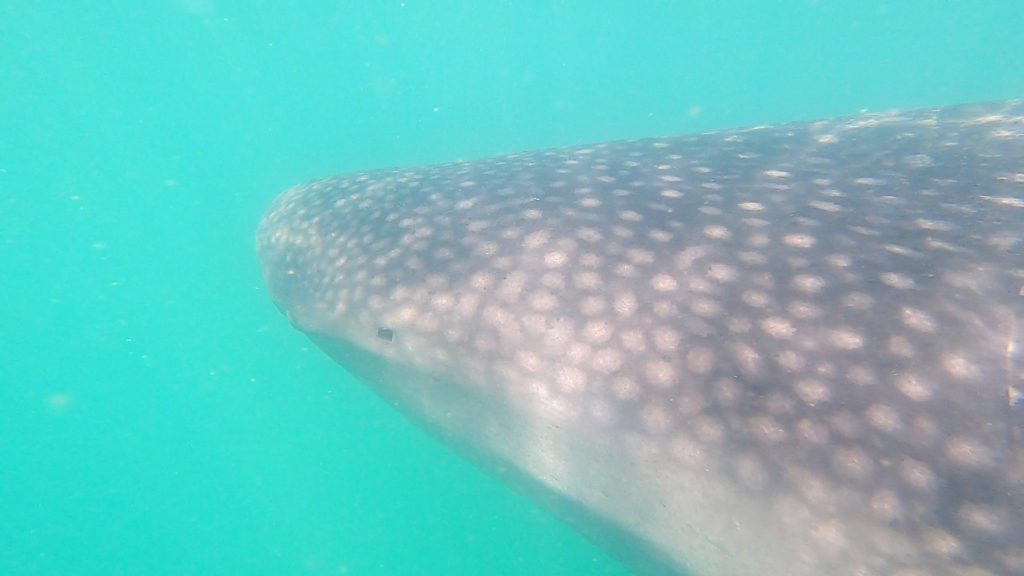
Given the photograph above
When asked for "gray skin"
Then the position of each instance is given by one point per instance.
(783, 351)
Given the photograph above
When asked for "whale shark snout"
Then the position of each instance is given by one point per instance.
(785, 350)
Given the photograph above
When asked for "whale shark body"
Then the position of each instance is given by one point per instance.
(784, 350)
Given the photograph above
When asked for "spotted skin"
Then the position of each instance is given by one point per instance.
(785, 350)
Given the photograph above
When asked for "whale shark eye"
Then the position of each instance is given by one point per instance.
(386, 334)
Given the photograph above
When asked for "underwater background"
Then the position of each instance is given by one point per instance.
(159, 416)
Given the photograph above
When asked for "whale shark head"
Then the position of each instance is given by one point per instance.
(788, 350)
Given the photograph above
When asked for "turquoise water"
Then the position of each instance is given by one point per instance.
(157, 414)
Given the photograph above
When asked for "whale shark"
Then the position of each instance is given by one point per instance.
(780, 350)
